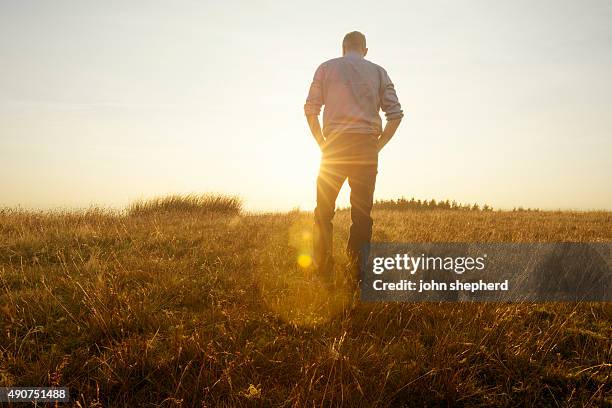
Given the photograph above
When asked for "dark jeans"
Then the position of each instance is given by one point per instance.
(352, 156)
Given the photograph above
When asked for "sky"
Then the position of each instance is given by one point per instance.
(101, 103)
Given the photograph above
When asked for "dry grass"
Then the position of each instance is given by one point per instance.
(208, 308)
(191, 203)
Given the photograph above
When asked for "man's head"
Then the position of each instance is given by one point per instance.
(354, 41)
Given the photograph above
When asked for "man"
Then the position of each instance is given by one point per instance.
(353, 91)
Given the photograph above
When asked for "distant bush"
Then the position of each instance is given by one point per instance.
(187, 203)
(521, 209)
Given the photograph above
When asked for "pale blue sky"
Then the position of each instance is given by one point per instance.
(506, 103)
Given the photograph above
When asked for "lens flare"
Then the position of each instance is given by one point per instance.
(304, 260)
(290, 286)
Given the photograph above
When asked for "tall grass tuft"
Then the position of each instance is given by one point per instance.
(189, 203)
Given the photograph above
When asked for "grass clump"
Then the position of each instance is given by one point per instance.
(189, 203)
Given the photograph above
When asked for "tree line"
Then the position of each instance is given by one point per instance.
(417, 204)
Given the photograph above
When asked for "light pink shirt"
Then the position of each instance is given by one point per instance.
(353, 91)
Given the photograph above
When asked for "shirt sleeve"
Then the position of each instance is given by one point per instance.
(389, 101)
(314, 101)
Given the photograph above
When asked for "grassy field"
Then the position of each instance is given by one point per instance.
(194, 303)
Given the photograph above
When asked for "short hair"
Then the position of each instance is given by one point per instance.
(354, 40)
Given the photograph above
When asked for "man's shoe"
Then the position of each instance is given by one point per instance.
(325, 271)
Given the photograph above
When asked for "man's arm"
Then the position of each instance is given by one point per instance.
(392, 108)
(388, 132)
(313, 104)
(315, 129)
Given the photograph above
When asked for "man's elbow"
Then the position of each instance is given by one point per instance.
(394, 116)
(312, 109)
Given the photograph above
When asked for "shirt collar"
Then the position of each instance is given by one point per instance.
(353, 54)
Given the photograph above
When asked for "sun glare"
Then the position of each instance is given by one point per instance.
(304, 260)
